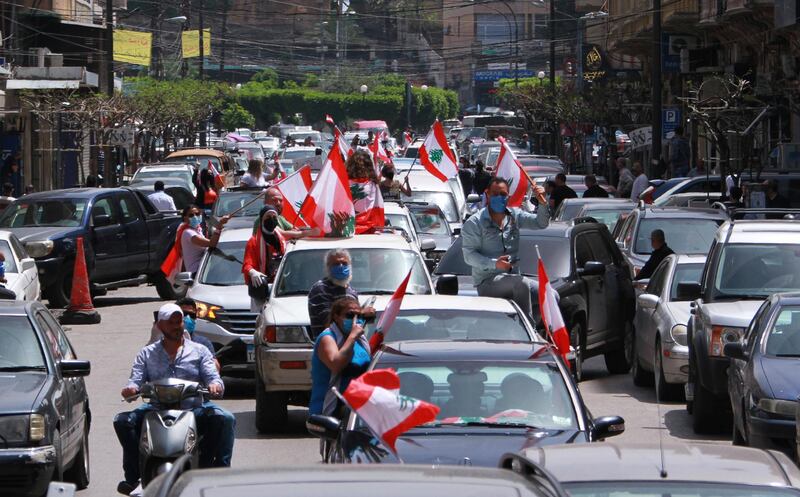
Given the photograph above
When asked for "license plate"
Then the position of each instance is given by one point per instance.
(251, 353)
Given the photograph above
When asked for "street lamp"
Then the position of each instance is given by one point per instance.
(424, 87)
(363, 89)
(541, 75)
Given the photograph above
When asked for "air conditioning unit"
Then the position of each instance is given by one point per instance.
(679, 42)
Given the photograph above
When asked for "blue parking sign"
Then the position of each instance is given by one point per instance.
(670, 119)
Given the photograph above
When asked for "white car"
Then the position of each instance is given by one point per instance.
(182, 172)
(283, 338)
(448, 196)
(21, 275)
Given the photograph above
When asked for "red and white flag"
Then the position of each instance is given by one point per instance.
(294, 189)
(551, 313)
(368, 205)
(329, 205)
(509, 168)
(389, 314)
(219, 180)
(378, 154)
(375, 397)
(173, 263)
(344, 147)
(329, 119)
(407, 139)
(435, 154)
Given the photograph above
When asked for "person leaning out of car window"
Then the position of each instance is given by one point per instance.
(262, 254)
(193, 241)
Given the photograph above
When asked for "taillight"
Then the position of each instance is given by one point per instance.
(270, 334)
(720, 335)
(292, 364)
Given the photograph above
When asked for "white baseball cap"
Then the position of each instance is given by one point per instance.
(167, 310)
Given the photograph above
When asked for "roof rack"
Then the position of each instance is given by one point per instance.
(533, 472)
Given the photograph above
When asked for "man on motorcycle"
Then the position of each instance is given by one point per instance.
(175, 357)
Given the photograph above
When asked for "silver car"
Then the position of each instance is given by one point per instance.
(660, 348)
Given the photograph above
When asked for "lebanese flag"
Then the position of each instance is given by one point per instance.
(375, 397)
(219, 180)
(378, 154)
(407, 139)
(329, 203)
(329, 119)
(173, 263)
(344, 147)
(435, 154)
(509, 168)
(294, 189)
(368, 205)
(389, 314)
(551, 314)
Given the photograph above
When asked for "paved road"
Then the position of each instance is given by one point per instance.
(127, 315)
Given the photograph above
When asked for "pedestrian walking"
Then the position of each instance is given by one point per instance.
(160, 199)
(625, 183)
(640, 182)
(593, 190)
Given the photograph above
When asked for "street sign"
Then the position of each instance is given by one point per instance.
(641, 137)
(503, 73)
(670, 119)
(120, 137)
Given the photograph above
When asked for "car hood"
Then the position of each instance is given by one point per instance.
(227, 297)
(240, 222)
(781, 373)
(736, 314)
(20, 390)
(466, 446)
(39, 233)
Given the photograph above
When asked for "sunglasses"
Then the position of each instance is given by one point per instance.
(352, 315)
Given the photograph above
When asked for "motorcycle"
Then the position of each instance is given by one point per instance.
(168, 432)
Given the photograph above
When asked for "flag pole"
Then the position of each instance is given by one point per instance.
(248, 203)
(372, 431)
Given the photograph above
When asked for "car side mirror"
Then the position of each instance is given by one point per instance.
(447, 284)
(72, 368)
(473, 198)
(427, 244)
(456, 231)
(592, 268)
(607, 426)
(688, 291)
(324, 427)
(101, 220)
(184, 278)
(735, 350)
(26, 264)
(648, 301)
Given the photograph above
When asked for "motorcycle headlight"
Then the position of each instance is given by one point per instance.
(168, 394)
(207, 311)
(191, 440)
(15, 429)
(39, 249)
(678, 334)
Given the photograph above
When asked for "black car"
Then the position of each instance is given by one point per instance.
(494, 397)
(591, 277)
(44, 412)
(762, 376)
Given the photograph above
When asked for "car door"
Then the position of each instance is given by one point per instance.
(740, 373)
(593, 285)
(647, 319)
(27, 269)
(136, 235)
(610, 293)
(108, 240)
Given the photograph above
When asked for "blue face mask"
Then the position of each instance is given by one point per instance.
(195, 221)
(498, 203)
(347, 324)
(340, 272)
(189, 324)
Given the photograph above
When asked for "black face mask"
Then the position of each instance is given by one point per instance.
(270, 224)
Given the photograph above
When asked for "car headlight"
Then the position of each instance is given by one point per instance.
(285, 334)
(14, 429)
(207, 311)
(785, 408)
(36, 429)
(39, 249)
(678, 334)
(719, 336)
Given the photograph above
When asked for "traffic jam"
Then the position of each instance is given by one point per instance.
(428, 303)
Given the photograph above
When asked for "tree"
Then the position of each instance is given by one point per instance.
(267, 77)
(236, 116)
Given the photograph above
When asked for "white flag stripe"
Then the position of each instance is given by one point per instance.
(384, 410)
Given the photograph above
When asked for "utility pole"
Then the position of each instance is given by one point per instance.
(202, 46)
(554, 134)
(110, 47)
(222, 41)
(155, 28)
(655, 151)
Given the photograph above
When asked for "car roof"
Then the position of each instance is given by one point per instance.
(682, 212)
(382, 240)
(697, 462)
(15, 307)
(786, 298)
(70, 193)
(393, 208)
(421, 180)
(301, 148)
(760, 230)
(235, 234)
(556, 229)
(174, 166)
(464, 350)
(196, 151)
(690, 258)
(599, 200)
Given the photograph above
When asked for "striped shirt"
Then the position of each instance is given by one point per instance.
(320, 299)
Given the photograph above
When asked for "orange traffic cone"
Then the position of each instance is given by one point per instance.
(80, 309)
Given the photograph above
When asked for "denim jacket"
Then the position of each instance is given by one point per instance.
(483, 241)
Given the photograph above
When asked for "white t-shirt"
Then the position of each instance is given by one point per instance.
(640, 184)
(162, 201)
(252, 182)
(192, 254)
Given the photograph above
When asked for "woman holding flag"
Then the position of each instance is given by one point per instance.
(190, 244)
(262, 254)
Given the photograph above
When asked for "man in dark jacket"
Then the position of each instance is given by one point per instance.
(659, 253)
(593, 190)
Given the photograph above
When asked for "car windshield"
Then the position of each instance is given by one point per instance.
(568, 211)
(151, 174)
(446, 201)
(50, 212)
(230, 201)
(609, 217)
(374, 270)
(430, 221)
(5, 249)
(757, 270)
(19, 345)
(661, 488)
(223, 265)
(202, 159)
(555, 254)
(685, 273)
(784, 337)
(683, 235)
(411, 153)
(518, 393)
(456, 324)
(399, 221)
(471, 133)
(298, 154)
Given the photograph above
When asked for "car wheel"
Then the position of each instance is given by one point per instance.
(665, 392)
(576, 340)
(641, 377)
(706, 417)
(58, 293)
(619, 361)
(272, 414)
(163, 286)
(79, 472)
(58, 470)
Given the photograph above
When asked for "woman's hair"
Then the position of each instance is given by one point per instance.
(255, 166)
(387, 172)
(206, 178)
(187, 210)
(338, 307)
(359, 165)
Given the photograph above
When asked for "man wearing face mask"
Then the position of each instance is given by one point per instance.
(273, 200)
(490, 243)
(189, 308)
(335, 285)
(262, 255)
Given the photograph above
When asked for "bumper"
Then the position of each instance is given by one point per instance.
(675, 362)
(50, 270)
(285, 369)
(238, 358)
(26, 471)
(770, 433)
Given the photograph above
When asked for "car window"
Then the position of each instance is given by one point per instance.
(129, 212)
(51, 337)
(583, 251)
(430, 221)
(445, 200)
(600, 248)
(689, 273)
(44, 212)
(569, 211)
(19, 345)
(11, 264)
(757, 270)
(656, 284)
(783, 339)
(64, 346)
(399, 221)
(223, 265)
(682, 235)
(18, 248)
(608, 217)
(626, 234)
(750, 334)
(103, 207)
(229, 202)
(455, 324)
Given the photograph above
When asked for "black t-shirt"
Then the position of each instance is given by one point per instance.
(481, 181)
(560, 193)
(595, 191)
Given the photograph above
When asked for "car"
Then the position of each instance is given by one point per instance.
(292, 158)
(45, 416)
(397, 215)
(591, 277)
(430, 222)
(21, 275)
(326, 481)
(660, 186)
(689, 199)
(125, 238)
(607, 213)
(687, 231)
(787, 184)
(661, 351)
(671, 468)
(494, 396)
(148, 174)
(749, 260)
(570, 208)
(221, 162)
(427, 188)
(283, 338)
(761, 376)
(300, 136)
(250, 150)
(575, 181)
(174, 187)
(241, 203)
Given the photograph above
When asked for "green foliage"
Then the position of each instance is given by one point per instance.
(267, 77)
(236, 116)
(311, 80)
(289, 84)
